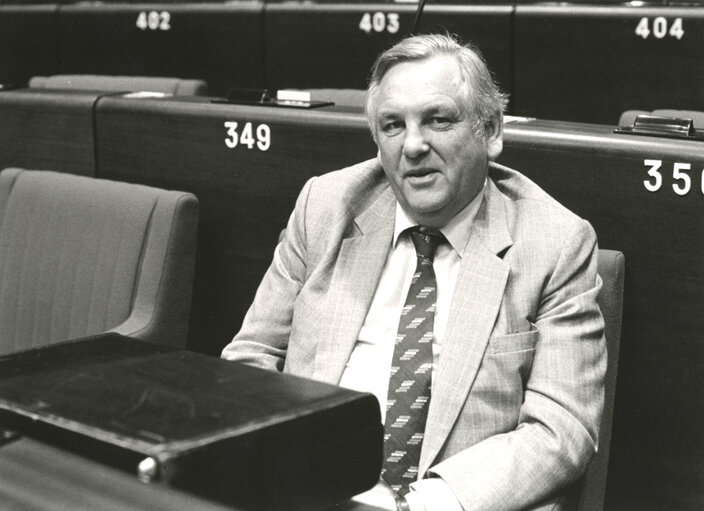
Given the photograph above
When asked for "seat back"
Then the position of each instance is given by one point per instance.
(611, 270)
(174, 86)
(80, 256)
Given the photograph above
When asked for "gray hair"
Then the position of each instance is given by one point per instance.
(479, 95)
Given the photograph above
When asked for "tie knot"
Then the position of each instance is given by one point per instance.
(426, 241)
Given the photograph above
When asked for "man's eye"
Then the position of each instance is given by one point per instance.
(392, 127)
(439, 122)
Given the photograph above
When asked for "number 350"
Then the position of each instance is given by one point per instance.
(680, 174)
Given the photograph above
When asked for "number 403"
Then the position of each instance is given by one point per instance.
(680, 174)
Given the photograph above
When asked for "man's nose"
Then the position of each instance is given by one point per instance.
(415, 143)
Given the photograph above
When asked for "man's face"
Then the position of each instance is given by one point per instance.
(430, 154)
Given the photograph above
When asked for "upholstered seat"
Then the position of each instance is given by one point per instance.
(174, 86)
(81, 256)
(611, 269)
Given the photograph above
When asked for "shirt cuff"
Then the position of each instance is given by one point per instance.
(432, 494)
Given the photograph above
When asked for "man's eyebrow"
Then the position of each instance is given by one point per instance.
(442, 108)
(387, 114)
(430, 109)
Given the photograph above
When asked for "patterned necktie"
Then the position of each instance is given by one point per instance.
(411, 369)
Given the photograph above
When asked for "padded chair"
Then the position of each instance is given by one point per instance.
(611, 268)
(173, 86)
(629, 116)
(80, 256)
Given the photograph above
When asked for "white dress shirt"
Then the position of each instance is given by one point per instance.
(369, 365)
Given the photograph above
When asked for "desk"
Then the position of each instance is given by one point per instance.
(36, 476)
(219, 43)
(47, 129)
(334, 45)
(27, 41)
(590, 63)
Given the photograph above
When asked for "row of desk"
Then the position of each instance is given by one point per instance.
(558, 61)
(643, 194)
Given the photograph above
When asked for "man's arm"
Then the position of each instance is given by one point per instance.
(263, 339)
(563, 400)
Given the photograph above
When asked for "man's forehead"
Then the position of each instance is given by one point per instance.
(445, 66)
(426, 104)
(439, 74)
(425, 84)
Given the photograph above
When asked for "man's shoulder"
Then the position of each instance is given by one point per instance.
(524, 194)
(350, 188)
(359, 175)
(531, 211)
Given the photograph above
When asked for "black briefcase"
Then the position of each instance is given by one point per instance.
(247, 437)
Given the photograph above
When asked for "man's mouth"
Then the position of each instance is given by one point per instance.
(420, 173)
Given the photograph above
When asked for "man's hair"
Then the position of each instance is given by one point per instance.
(480, 97)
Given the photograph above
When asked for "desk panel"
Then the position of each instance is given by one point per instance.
(35, 476)
(246, 193)
(219, 43)
(50, 130)
(657, 449)
(311, 45)
(591, 63)
(28, 36)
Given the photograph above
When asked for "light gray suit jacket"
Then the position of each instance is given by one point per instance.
(518, 393)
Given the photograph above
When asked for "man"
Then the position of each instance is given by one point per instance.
(518, 355)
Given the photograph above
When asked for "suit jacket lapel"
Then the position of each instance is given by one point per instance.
(357, 271)
(475, 305)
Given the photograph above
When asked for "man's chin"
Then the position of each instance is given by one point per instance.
(428, 215)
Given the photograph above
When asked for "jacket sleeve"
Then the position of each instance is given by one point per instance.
(263, 339)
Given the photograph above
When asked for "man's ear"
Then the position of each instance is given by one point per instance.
(495, 137)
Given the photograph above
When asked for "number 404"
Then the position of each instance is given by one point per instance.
(660, 27)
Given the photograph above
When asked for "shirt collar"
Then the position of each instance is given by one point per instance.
(456, 231)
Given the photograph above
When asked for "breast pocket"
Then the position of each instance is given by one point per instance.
(515, 342)
(500, 384)
(511, 356)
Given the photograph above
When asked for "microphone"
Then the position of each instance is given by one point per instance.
(419, 11)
